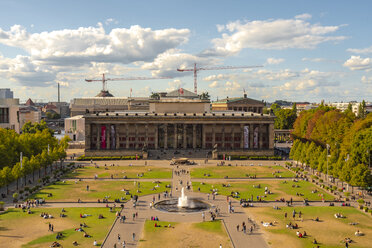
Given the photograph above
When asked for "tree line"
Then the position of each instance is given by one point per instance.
(38, 147)
(348, 138)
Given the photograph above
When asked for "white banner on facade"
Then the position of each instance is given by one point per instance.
(255, 138)
(113, 137)
(246, 137)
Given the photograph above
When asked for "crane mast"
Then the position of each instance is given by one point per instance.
(104, 80)
(196, 69)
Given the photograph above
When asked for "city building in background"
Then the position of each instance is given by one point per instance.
(242, 104)
(174, 122)
(9, 110)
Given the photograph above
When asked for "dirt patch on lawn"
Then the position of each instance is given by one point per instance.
(183, 235)
(21, 231)
(329, 231)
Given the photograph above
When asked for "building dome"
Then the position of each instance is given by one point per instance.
(104, 93)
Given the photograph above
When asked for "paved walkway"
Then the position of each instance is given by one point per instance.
(125, 230)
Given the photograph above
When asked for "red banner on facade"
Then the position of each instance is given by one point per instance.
(103, 137)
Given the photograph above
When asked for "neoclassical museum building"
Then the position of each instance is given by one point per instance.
(179, 120)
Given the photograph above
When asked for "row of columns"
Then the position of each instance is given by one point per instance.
(194, 138)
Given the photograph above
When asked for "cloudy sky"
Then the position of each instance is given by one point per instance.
(308, 50)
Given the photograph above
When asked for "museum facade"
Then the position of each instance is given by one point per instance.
(179, 123)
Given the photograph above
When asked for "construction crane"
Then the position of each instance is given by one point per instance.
(104, 80)
(196, 69)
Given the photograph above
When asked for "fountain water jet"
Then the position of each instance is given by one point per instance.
(182, 204)
(182, 200)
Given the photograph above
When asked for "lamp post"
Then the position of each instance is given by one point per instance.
(21, 161)
(327, 163)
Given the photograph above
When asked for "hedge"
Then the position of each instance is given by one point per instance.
(236, 157)
(84, 158)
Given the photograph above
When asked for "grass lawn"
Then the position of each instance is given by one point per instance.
(279, 189)
(204, 234)
(240, 172)
(71, 191)
(329, 231)
(120, 172)
(19, 229)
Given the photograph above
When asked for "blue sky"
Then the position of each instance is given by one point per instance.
(309, 50)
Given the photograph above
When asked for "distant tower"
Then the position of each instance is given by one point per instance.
(58, 94)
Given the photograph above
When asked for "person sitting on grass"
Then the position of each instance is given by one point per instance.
(100, 216)
(55, 244)
(75, 243)
(83, 225)
(315, 242)
(95, 243)
(59, 235)
(86, 235)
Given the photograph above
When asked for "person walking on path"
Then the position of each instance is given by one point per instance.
(118, 238)
(133, 236)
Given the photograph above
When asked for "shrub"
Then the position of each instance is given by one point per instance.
(21, 191)
(360, 201)
(347, 194)
(366, 209)
(334, 187)
(1, 205)
(321, 180)
(15, 196)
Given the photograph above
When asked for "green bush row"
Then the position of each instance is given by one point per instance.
(86, 158)
(237, 157)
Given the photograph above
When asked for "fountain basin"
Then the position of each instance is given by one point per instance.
(193, 205)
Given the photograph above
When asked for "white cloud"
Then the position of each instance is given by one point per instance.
(358, 63)
(217, 77)
(214, 84)
(360, 51)
(92, 44)
(274, 61)
(366, 80)
(71, 50)
(306, 84)
(304, 16)
(166, 64)
(232, 86)
(24, 71)
(111, 20)
(175, 84)
(276, 34)
(276, 75)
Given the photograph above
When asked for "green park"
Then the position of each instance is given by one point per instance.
(317, 197)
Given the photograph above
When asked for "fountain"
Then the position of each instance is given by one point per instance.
(182, 204)
(182, 201)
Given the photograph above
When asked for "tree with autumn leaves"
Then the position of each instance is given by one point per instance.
(349, 137)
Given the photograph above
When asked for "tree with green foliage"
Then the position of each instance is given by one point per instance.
(53, 116)
(204, 96)
(362, 110)
(285, 119)
(30, 127)
(275, 107)
(17, 173)
(7, 177)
